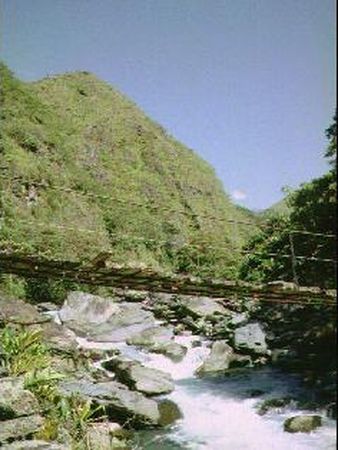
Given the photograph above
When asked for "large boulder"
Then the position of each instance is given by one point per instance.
(103, 320)
(16, 311)
(302, 424)
(20, 428)
(140, 378)
(202, 306)
(221, 358)
(15, 401)
(250, 339)
(120, 404)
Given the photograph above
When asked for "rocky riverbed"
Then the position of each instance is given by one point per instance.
(179, 372)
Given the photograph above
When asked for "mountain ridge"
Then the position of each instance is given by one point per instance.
(118, 173)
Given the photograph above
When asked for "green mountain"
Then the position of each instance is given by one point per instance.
(83, 170)
(281, 208)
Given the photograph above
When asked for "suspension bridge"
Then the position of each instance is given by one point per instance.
(102, 270)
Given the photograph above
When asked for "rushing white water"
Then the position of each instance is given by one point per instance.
(219, 413)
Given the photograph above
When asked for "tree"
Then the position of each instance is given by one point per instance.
(312, 228)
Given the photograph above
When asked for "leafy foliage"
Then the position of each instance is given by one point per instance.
(22, 351)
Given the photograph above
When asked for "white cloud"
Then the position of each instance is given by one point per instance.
(238, 194)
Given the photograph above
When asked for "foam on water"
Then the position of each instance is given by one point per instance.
(219, 413)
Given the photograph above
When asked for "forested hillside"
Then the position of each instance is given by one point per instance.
(83, 170)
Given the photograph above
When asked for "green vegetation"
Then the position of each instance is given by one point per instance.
(24, 354)
(84, 171)
(149, 197)
(311, 208)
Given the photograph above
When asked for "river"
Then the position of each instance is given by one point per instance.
(220, 413)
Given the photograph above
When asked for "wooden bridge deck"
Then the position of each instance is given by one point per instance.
(101, 272)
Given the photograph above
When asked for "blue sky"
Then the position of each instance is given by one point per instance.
(248, 84)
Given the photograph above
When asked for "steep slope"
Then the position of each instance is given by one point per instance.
(83, 170)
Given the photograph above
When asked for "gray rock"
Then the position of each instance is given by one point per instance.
(103, 320)
(250, 339)
(35, 445)
(140, 378)
(176, 352)
(19, 428)
(15, 401)
(202, 306)
(302, 424)
(18, 312)
(58, 337)
(222, 358)
(102, 436)
(159, 340)
(119, 403)
(151, 336)
(87, 308)
(219, 359)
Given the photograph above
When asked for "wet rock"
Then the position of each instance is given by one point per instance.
(35, 445)
(20, 428)
(222, 358)
(159, 339)
(169, 412)
(250, 339)
(151, 336)
(119, 403)
(140, 378)
(102, 319)
(15, 401)
(176, 352)
(18, 312)
(275, 404)
(302, 424)
(219, 359)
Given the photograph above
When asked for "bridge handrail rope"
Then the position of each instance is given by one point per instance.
(154, 207)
